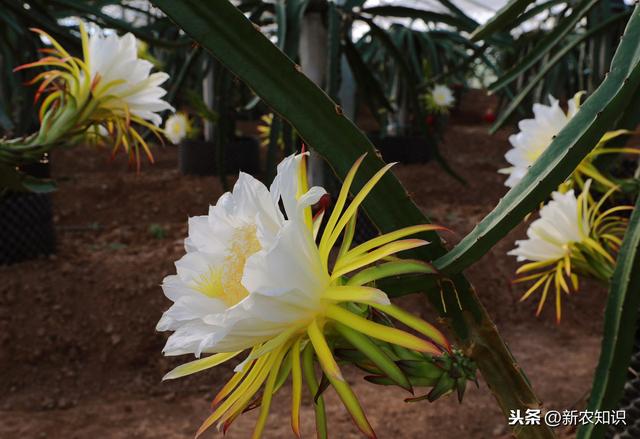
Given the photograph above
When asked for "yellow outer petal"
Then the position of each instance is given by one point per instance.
(381, 332)
(231, 385)
(534, 266)
(303, 187)
(390, 237)
(296, 387)
(275, 342)
(598, 248)
(415, 323)
(355, 294)
(342, 268)
(347, 237)
(543, 298)
(331, 369)
(309, 374)
(609, 135)
(257, 374)
(199, 365)
(267, 395)
(324, 246)
(534, 287)
(323, 351)
(388, 269)
(353, 207)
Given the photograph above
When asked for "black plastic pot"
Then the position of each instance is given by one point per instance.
(403, 149)
(26, 222)
(197, 157)
(243, 154)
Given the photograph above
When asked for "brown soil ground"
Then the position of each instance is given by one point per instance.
(80, 358)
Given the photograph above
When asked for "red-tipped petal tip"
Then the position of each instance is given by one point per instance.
(296, 431)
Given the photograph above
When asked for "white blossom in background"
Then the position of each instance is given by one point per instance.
(570, 238)
(535, 136)
(110, 86)
(442, 96)
(124, 81)
(550, 237)
(177, 127)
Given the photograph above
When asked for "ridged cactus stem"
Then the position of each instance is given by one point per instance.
(482, 343)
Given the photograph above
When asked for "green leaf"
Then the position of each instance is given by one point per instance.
(14, 180)
(534, 81)
(410, 80)
(545, 45)
(428, 47)
(364, 344)
(596, 116)
(178, 81)
(445, 385)
(334, 55)
(506, 15)
(294, 10)
(89, 11)
(457, 11)
(369, 85)
(388, 269)
(386, 41)
(620, 320)
(201, 108)
(281, 21)
(405, 285)
(629, 119)
(418, 381)
(421, 14)
(309, 373)
(38, 185)
(535, 10)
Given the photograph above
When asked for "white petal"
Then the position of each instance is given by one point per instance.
(292, 265)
